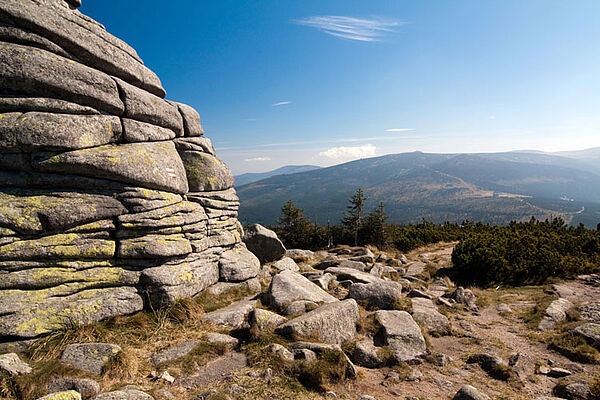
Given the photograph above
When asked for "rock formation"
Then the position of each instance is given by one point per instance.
(111, 198)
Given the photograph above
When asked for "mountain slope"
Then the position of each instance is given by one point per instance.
(244, 179)
(493, 188)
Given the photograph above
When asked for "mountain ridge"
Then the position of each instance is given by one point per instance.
(491, 187)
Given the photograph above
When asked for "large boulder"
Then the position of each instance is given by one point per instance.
(402, 334)
(332, 323)
(288, 287)
(381, 294)
(111, 198)
(264, 243)
(426, 313)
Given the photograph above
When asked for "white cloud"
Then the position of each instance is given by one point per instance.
(281, 103)
(361, 29)
(258, 159)
(398, 130)
(353, 152)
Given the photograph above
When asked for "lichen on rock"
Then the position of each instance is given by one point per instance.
(111, 198)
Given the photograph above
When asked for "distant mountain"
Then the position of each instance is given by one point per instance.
(245, 179)
(588, 156)
(493, 187)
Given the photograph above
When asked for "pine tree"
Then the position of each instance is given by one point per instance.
(294, 229)
(353, 216)
(375, 226)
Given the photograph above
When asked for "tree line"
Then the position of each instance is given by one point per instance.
(520, 253)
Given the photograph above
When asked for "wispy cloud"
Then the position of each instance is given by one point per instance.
(281, 103)
(352, 152)
(258, 159)
(361, 29)
(253, 119)
(399, 130)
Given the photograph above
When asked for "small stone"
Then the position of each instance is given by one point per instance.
(68, 395)
(281, 352)
(90, 357)
(503, 308)
(12, 364)
(366, 397)
(300, 307)
(415, 375)
(236, 390)
(330, 395)
(164, 393)
(174, 352)
(305, 354)
(468, 392)
(286, 264)
(441, 360)
(86, 387)
(574, 391)
(559, 373)
(219, 338)
(165, 376)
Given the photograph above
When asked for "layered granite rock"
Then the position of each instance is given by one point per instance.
(111, 198)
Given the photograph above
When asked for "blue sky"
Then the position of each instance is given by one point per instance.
(280, 82)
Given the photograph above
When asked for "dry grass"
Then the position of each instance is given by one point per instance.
(139, 335)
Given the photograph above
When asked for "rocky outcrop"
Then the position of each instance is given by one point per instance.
(110, 195)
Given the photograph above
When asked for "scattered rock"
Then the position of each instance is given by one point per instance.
(556, 312)
(12, 365)
(466, 297)
(124, 394)
(493, 365)
(441, 360)
(300, 307)
(265, 320)
(281, 352)
(219, 338)
(559, 372)
(573, 391)
(305, 354)
(426, 314)
(365, 354)
(402, 334)
(234, 315)
(173, 353)
(419, 293)
(238, 264)
(590, 312)
(264, 243)
(331, 323)
(352, 275)
(299, 255)
(381, 294)
(286, 264)
(66, 395)
(287, 287)
(86, 387)
(357, 265)
(468, 392)
(90, 357)
(503, 308)
(590, 332)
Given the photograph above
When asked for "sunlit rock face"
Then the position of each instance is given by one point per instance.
(111, 198)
